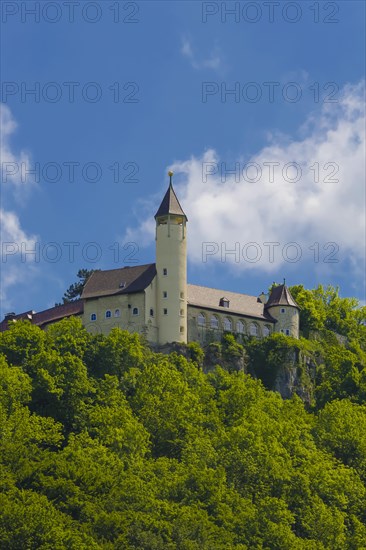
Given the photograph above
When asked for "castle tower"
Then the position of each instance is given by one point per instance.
(171, 267)
(282, 307)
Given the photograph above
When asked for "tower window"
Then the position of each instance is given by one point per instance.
(283, 310)
(181, 329)
(151, 312)
(108, 314)
(227, 324)
(182, 295)
(117, 313)
(93, 317)
(214, 322)
(165, 271)
(181, 313)
(201, 320)
(135, 311)
(165, 311)
(287, 332)
(165, 294)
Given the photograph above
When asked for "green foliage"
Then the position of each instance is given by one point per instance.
(105, 444)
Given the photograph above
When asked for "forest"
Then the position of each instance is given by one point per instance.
(107, 444)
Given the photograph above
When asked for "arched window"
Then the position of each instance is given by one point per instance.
(253, 329)
(151, 312)
(240, 327)
(108, 314)
(214, 322)
(228, 325)
(135, 311)
(201, 320)
(266, 330)
(117, 313)
(93, 317)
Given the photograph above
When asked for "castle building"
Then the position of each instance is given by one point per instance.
(156, 300)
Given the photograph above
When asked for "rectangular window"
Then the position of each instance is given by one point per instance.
(181, 329)
(165, 311)
(182, 295)
(165, 294)
(165, 271)
(287, 332)
(181, 313)
(283, 310)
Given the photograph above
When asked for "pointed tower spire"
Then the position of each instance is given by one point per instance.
(170, 204)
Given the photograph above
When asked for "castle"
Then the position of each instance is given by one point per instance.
(156, 300)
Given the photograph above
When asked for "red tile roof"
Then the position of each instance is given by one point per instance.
(124, 280)
(47, 316)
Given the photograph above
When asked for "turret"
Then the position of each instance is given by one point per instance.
(282, 307)
(171, 267)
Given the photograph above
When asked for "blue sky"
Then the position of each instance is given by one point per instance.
(127, 90)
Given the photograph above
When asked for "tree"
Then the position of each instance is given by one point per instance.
(75, 290)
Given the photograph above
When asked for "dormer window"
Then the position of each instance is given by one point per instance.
(122, 284)
(224, 302)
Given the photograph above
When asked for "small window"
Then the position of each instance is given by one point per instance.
(181, 329)
(240, 327)
(151, 312)
(214, 322)
(253, 329)
(165, 311)
(201, 320)
(282, 331)
(108, 314)
(283, 310)
(135, 311)
(287, 332)
(93, 317)
(117, 313)
(182, 295)
(165, 294)
(227, 324)
(224, 302)
(165, 271)
(181, 313)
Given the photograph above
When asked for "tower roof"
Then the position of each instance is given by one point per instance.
(170, 203)
(280, 296)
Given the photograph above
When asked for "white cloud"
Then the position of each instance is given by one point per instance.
(14, 166)
(14, 239)
(212, 61)
(314, 209)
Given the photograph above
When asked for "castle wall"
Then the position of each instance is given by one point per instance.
(287, 320)
(205, 333)
(119, 303)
